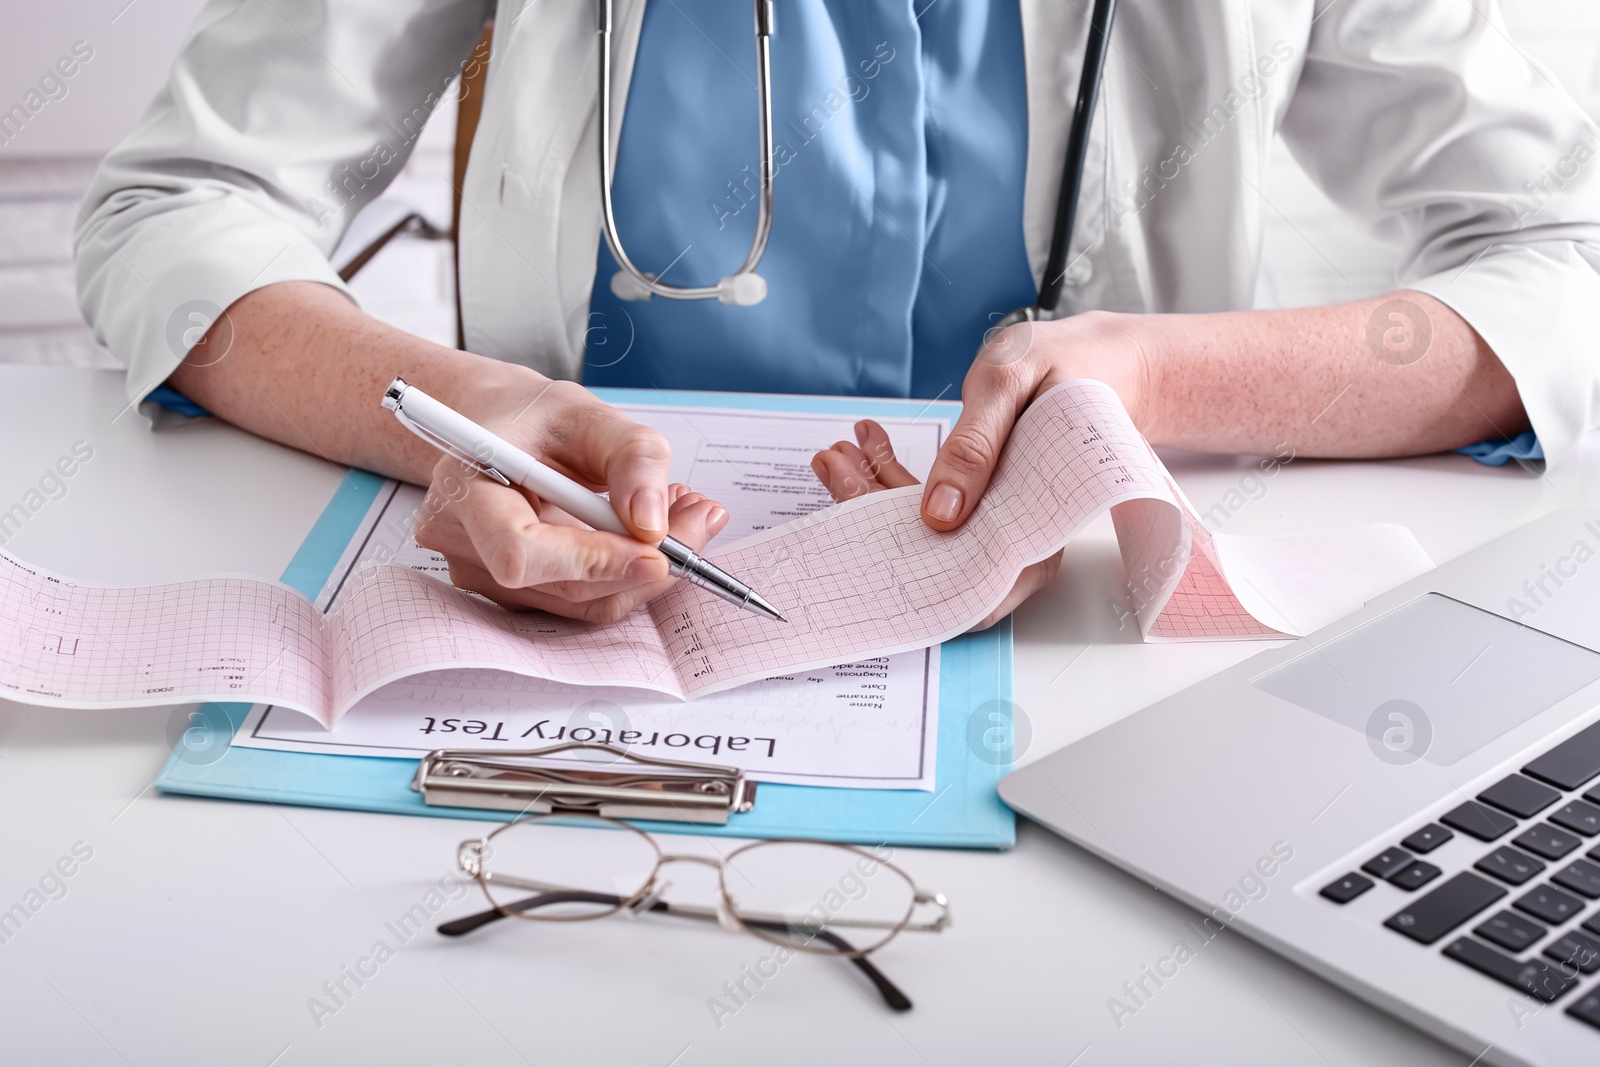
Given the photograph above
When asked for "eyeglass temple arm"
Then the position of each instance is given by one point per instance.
(890, 992)
(456, 927)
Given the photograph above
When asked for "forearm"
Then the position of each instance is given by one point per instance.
(1251, 381)
(300, 364)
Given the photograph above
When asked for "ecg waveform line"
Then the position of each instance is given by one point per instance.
(860, 579)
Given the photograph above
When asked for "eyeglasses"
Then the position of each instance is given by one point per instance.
(799, 894)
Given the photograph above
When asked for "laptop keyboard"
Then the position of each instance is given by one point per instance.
(1543, 936)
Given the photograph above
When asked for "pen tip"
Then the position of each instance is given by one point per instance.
(760, 604)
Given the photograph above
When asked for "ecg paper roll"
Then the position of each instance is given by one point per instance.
(862, 578)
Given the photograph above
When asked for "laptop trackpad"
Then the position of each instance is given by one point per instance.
(1435, 679)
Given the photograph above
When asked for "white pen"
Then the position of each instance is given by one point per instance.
(456, 435)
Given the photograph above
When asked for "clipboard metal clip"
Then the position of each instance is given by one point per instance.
(681, 792)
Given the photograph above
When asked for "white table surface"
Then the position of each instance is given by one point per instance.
(199, 929)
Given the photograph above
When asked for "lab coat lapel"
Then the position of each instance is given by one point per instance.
(1053, 35)
(530, 220)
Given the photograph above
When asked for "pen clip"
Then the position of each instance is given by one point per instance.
(446, 447)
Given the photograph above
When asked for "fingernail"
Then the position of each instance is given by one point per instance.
(649, 510)
(641, 568)
(718, 519)
(944, 503)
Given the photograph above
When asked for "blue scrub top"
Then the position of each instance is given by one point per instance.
(900, 145)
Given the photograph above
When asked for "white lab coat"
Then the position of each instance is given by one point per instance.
(282, 118)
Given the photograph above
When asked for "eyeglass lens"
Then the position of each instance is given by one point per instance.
(799, 893)
(523, 860)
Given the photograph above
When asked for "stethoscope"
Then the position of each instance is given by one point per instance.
(744, 286)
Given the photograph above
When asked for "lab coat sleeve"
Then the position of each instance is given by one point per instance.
(1426, 121)
(279, 120)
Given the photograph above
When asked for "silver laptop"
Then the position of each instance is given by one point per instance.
(1406, 802)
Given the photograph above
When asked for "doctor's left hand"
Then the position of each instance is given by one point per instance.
(1014, 366)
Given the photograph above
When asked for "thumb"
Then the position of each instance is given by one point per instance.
(632, 460)
(992, 398)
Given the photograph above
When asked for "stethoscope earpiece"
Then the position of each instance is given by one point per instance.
(740, 290)
(625, 287)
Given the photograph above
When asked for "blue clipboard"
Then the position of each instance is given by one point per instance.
(975, 692)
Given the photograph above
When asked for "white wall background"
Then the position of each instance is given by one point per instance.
(1311, 253)
(45, 169)
(132, 45)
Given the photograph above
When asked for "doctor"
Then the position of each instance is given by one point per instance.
(917, 158)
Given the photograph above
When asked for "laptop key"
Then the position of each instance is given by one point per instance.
(1571, 763)
(1428, 838)
(1520, 795)
(1535, 977)
(1574, 950)
(1478, 820)
(1346, 889)
(1545, 840)
(1510, 931)
(1580, 816)
(1592, 923)
(1581, 877)
(1587, 1009)
(1442, 909)
(1509, 865)
(1389, 861)
(1415, 876)
(1550, 904)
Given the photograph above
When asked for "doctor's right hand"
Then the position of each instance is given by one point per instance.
(523, 552)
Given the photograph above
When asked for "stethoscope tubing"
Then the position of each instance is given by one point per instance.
(1044, 306)
(1048, 300)
(758, 244)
